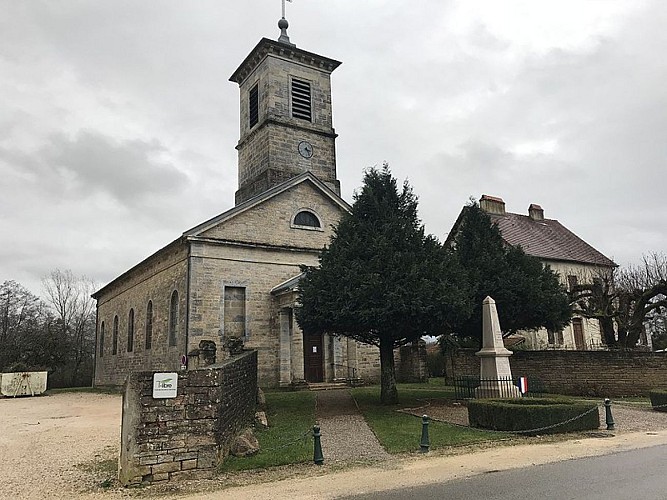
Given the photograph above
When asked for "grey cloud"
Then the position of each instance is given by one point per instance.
(128, 171)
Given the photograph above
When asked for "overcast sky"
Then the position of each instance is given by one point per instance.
(118, 122)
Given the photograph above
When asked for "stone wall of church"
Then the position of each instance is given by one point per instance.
(256, 270)
(368, 363)
(153, 280)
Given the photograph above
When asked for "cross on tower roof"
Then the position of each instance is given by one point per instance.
(283, 25)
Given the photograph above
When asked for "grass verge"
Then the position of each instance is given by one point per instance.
(290, 415)
(401, 433)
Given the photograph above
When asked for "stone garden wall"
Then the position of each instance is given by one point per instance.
(594, 373)
(185, 437)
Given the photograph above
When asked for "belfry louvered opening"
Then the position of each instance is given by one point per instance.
(254, 106)
(301, 107)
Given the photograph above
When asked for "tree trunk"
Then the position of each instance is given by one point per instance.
(608, 331)
(388, 392)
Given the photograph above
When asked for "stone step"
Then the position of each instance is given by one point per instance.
(326, 386)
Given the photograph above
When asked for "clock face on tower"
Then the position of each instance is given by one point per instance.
(306, 149)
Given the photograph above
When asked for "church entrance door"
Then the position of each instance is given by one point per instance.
(313, 357)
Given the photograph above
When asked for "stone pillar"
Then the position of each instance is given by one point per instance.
(327, 344)
(298, 377)
(494, 358)
(353, 377)
(351, 359)
(339, 369)
(285, 348)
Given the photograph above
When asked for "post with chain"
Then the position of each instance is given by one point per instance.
(608, 416)
(424, 445)
(318, 458)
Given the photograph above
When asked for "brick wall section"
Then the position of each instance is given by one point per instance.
(185, 437)
(593, 373)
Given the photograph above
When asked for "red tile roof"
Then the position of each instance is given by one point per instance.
(547, 239)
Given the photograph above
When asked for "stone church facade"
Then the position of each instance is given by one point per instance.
(236, 275)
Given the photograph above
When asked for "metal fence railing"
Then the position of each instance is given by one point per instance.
(472, 387)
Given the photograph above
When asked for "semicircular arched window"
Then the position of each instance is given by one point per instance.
(306, 218)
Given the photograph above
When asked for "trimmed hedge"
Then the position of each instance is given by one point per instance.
(531, 415)
(658, 399)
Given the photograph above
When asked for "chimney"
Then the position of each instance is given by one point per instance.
(492, 205)
(535, 212)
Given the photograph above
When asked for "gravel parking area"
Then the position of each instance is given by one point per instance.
(55, 446)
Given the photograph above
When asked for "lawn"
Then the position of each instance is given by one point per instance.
(400, 432)
(288, 440)
(291, 416)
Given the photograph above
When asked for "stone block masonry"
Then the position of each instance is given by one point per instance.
(585, 373)
(187, 436)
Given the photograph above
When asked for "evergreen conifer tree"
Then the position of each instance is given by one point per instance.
(382, 280)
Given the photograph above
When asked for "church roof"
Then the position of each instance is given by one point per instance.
(287, 285)
(285, 51)
(246, 205)
(262, 197)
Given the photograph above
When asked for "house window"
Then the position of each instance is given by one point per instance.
(114, 339)
(102, 339)
(253, 106)
(130, 331)
(555, 338)
(234, 312)
(306, 218)
(301, 105)
(572, 282)
(149, 324)
(173, 318)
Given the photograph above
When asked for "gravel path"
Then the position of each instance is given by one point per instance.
(345, 435)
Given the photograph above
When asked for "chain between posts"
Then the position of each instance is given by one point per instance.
(526, 431)
(302, 438)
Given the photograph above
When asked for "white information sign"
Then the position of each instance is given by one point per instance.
(165, 385)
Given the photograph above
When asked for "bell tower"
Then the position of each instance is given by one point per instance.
(286, 117)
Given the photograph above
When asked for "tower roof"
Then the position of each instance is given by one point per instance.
(267, 47)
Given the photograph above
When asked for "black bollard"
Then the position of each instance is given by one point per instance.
(318, 458)
(608, 416)
(424, 445)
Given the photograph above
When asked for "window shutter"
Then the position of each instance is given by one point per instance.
(301, 105)
(254, 106)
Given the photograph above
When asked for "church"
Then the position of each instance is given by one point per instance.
(235, 275)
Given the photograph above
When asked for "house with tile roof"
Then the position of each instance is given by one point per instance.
(570, 256)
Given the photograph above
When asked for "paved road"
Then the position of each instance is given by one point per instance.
(638, 474)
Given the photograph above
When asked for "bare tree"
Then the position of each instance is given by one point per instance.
(22, 316)
(623, 299)
(644, 291)
(17, 306)
(596, 296)
(70, 297)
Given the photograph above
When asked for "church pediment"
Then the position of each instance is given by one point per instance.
(297, 213)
